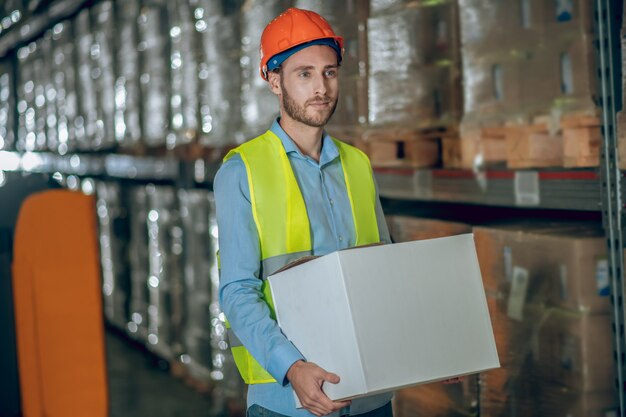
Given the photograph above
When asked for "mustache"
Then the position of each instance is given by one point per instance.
(320, 100)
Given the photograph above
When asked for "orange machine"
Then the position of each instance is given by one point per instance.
(58, 307)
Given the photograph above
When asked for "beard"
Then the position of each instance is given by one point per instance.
(298, 113)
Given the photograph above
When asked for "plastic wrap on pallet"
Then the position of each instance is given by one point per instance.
(88, 113)
(259, 105)
(64, 76)
(31, 99)
(50, 92)
(220, 86)
(184, 74)
(103, 72)
(127, 91)
(414, 98)
(155, 69)
(349, 20)
(138, 248)
(25, 100)
(413, 74)
(198, 256)
(553, 362)
(165, 286)
(526, 59)
(11, 12)
(380, 6)
(112, 219)
(531, 289)
(335, 12)
(7, 106)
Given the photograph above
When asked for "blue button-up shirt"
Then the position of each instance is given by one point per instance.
(332, 228)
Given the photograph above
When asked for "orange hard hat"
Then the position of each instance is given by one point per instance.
(293, 28)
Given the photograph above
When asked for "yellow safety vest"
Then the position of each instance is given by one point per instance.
(282, 222)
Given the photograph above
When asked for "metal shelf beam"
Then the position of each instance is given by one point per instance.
(554, 189)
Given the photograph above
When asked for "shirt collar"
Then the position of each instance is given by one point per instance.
(329, 149)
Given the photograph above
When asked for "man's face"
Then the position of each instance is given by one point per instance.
(308, 86)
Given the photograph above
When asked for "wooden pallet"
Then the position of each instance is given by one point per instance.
(404, 147)
(574, 142)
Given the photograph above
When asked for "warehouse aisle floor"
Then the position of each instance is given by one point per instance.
(139, 387)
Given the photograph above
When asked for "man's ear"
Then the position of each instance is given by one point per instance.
(273, 78)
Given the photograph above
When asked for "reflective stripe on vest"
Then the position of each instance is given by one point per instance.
(282, 222)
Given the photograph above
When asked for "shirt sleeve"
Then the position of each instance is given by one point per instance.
(240, 283)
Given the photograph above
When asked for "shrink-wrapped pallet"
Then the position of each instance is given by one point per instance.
(183, 74)
(138, 246)
(31, 97)
(11, 13)
(219, 92)
(7, 106)
(165, 290)
(259, 105)
(526, 59)
(545, 286)
(414, 65)
(87, 98)
(199, 257)
(349, 20)
(127, 91)
(64, 78)
(155, 73)
(103, 73)
(112, 219)
(49, 92)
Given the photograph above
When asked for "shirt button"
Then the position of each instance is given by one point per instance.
(332, 202)
(341, 238)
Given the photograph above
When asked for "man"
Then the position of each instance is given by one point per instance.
(292, 191)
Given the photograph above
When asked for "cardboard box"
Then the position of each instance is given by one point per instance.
(438, 399)
(576, 351)
(562, 264)
(555, 400)
(387, 317)
(407, 228)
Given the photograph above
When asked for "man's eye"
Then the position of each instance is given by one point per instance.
(304, 74)
(331, 73)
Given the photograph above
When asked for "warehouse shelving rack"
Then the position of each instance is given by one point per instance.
(608, 16)
(590, 190)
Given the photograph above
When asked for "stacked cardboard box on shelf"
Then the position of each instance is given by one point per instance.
(547, 288)
(528, 73)
(414, 80)
(437, 398)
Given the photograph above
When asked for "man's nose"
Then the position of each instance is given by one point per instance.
(320, 85)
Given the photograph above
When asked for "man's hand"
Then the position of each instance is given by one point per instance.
(306, 379)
